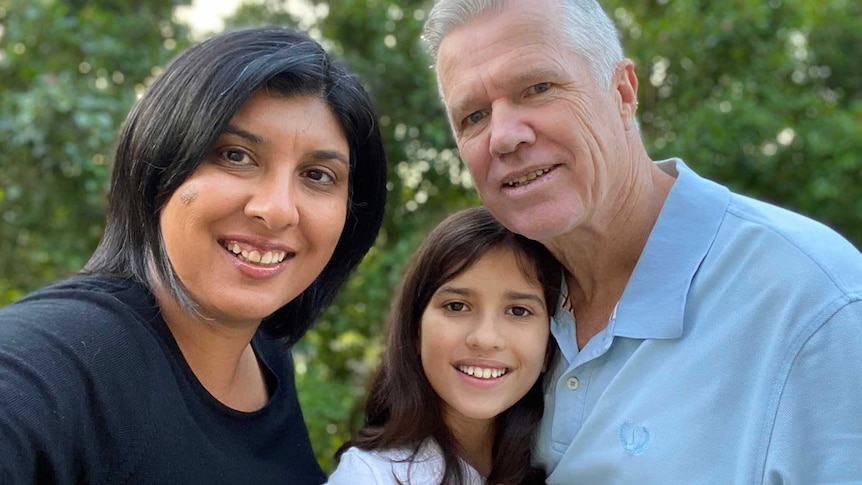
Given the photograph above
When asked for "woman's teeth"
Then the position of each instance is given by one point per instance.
(255, 256)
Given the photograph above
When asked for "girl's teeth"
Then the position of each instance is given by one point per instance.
(482, 373)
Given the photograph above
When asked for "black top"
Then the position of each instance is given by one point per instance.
(93, 389)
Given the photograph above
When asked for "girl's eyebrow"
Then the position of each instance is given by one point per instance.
(510, 295)
(516, 295)
(456, 291)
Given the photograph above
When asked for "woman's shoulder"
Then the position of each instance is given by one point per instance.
(77, 304)
(76, 326)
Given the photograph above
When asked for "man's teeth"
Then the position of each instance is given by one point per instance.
(481, 373)
(526, 178)
(255, 256)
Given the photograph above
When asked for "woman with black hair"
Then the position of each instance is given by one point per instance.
(248, 182)
(458, 395)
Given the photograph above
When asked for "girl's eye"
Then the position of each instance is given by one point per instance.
(519, 311)
(455, 306)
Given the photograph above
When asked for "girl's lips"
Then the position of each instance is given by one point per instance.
(483, 372)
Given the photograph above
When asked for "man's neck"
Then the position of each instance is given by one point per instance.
(599, 259)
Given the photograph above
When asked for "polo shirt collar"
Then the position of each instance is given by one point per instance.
(652, 305)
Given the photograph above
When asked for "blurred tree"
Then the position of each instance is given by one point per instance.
(761, 96)
(69, 72)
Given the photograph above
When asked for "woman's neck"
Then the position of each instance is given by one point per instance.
(221, 357)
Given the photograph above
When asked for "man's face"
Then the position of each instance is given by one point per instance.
(544, 143)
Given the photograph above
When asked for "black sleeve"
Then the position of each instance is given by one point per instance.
(55, 393)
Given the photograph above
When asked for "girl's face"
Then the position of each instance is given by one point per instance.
(259, 219)
(484, 337)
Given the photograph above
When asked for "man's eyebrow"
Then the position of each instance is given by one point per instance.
(460, 107)
(233, 130)
(533, 76)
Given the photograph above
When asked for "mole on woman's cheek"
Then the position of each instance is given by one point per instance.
(188, 194)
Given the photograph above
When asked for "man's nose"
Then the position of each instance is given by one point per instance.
(509, 129)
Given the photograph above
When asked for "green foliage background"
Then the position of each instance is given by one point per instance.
(763, 96)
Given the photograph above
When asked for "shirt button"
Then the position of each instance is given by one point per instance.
(572, 383)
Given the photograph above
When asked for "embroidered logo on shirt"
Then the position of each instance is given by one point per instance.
(634, 438)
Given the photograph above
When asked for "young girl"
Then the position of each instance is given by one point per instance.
(458, 394)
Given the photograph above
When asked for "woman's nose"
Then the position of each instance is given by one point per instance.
(274, 203)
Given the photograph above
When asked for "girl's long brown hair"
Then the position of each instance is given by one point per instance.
(402, 409)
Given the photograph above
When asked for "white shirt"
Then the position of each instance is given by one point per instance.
(361, 467)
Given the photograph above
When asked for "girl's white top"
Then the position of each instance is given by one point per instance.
(361, 467)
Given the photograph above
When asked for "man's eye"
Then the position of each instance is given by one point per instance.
(540, 88)
(476, 117)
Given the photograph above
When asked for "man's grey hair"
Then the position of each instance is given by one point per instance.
(584, 26)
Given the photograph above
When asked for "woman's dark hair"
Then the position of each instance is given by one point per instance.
(173, 127)
(402, 409)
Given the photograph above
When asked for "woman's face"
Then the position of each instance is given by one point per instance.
(259, 219)
(484, 337)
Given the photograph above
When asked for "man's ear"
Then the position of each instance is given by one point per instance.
(625, 84)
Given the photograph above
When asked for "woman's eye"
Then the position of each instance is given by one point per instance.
(235, 157)
(455, 306)
(320, 176)
(519, 311)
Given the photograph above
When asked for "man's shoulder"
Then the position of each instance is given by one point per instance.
(792, 238)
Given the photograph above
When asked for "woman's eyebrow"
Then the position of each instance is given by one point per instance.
(322, 155)
(233, 130)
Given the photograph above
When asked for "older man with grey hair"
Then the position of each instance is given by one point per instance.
(704, 337)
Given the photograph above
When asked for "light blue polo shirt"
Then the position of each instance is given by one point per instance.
(733, 355)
